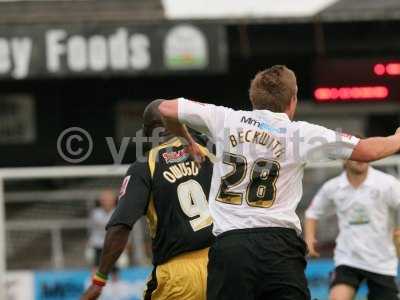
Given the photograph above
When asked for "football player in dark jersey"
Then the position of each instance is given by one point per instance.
(172, 191)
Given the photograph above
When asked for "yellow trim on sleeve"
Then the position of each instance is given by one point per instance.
(174, 142)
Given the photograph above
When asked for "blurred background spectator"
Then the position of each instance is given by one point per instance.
(99, 218)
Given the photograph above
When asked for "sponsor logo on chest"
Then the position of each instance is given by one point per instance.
(175, 156)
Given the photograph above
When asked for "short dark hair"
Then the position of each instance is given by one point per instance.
(273, 88)
(152, 118)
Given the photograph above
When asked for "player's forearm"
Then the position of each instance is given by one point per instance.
(376, 148)
(396, 240)
(114, 244)
(176, 128)
(310, 229)
(385, 147)
(179, 130)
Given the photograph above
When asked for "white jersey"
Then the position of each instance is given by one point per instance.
(257, 178)
(367, 216)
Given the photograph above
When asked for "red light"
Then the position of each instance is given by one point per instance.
(390, 69)
(379, 69)
(337, 94)
(393, 69)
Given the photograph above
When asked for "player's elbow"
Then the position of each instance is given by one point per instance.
(169, 109)
(365, 153)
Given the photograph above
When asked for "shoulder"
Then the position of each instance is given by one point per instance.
(132, 167)
(138, 166)
(383, 178)
(172, 142)
(332, 184)
(214, 106)
(223, 113)
(152, 155)
(188, 102)
(303, 125)
(155, 154)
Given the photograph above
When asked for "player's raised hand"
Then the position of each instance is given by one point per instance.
(311, 244)
(92, 293)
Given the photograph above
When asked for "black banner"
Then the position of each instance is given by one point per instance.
(90, 50)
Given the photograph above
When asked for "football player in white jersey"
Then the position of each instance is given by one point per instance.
(257, 184)
(366, 202)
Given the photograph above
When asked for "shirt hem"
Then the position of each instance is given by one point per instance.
(220, 232)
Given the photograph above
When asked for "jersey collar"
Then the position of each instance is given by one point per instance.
(369, 181)
(282, 116)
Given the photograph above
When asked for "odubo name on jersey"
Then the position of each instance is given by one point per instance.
(258, 138)
(180, 170)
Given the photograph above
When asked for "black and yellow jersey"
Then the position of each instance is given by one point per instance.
(172, 192)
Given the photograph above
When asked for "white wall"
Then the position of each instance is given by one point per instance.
(208, 9)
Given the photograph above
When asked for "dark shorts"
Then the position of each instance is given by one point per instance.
(380, 287)
(259, 263)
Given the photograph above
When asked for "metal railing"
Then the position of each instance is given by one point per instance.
(56, 226)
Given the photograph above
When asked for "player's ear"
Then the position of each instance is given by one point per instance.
(292, 106)
(294, 100)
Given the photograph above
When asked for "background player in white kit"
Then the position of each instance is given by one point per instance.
(366, 202)
(257, 184)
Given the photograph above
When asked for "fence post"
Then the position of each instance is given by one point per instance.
(3, 254)
(57, 248)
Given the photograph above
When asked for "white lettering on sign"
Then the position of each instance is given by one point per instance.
(118, 51)
(15, 56)
(77, 53)
(54, 48)
(98, 48)
(21, 48)
(5, 59)
(140, 56)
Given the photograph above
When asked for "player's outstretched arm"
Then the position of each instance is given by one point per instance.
(310, 228)
(376, 148)
(169, 113)
(114, 244)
